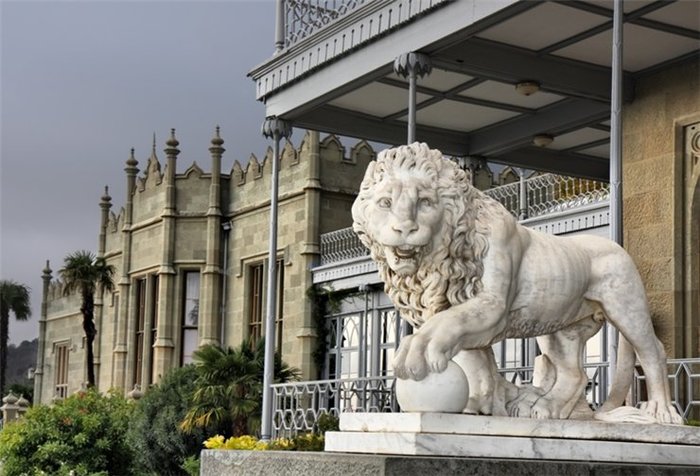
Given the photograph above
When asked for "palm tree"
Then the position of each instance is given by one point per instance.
(228, 393)
(85, 273)
(14, 297)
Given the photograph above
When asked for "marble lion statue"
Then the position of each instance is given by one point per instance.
(458, 267)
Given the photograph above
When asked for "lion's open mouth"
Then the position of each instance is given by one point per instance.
(406, 252)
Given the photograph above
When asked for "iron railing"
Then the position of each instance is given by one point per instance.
(549, 193)
(298, 405)
(303, 17)
(341, 245)
(546, 193)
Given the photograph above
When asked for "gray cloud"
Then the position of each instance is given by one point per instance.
(83, 82)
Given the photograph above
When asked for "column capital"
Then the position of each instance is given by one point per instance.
(276, 128)
(418, 63)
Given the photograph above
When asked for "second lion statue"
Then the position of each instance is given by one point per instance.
(458, 266)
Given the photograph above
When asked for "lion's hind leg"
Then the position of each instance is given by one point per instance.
(651, 354)
(564, 350)
(625, 306)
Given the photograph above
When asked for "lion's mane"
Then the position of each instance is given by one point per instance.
(450, 274)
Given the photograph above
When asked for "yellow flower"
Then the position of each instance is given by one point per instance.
(215, 442)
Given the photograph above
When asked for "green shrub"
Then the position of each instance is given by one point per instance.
(154, 430)
(327, 422)
(85, 434)
(191, 466)
(229, 384)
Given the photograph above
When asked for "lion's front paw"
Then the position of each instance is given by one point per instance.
(409, 362)
(437, 357)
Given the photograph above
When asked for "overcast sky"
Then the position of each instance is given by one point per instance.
(83, 82)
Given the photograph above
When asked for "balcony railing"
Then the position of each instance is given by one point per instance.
(298, 405)
(549, 193)
(546, 193)
(341, 245)
(304, 17)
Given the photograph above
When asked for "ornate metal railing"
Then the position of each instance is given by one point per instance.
(341, 245)
(298, 405)
(304, 17)
(546, 193)
(549, 193)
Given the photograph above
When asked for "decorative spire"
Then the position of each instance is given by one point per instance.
(47, 272)
(131, 162)
(172, 143)
(153, 150)
(106, 198)
(216, 143)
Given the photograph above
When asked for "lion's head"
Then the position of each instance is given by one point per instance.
(416, 212)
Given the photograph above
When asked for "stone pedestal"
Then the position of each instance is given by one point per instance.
(403, 444)
(456, 435)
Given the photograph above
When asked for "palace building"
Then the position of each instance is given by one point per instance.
(523, 84)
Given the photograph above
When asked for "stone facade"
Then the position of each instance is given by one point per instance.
(194, 240)
(661, 200)
(215, 225)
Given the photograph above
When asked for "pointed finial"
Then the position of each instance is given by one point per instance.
(47, 270)
(131, 162)
(216, 143)
(153, 151)
(172, 143)
(105, 201)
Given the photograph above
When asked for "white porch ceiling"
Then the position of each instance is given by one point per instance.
(468, 105)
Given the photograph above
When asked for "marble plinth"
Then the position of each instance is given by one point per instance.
(290, 463)
(436, 434)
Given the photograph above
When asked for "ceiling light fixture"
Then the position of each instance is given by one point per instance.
(542, 140)
(527, 88)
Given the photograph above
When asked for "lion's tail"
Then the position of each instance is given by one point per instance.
(611, 410)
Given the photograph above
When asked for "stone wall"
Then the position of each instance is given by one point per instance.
(63, 327)
(146, 238)
(655, 206)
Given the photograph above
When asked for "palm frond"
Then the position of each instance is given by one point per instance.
(14, 298)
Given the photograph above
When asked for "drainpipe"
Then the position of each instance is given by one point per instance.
(226, 227)
(615, 158)
(279, 26)
(275, 129)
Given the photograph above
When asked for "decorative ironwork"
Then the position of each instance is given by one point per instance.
(550, 193)
(341, 245)
(546, 193)
(304, 17)
(297, 406)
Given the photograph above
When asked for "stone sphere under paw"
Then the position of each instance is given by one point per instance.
(446, 392)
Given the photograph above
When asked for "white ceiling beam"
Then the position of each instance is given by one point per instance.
(491, 60)
(555, 119)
